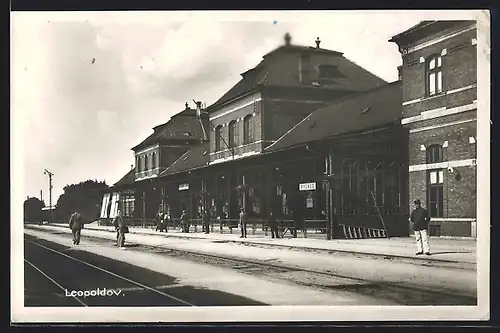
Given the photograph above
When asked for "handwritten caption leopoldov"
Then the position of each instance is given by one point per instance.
(104, 292)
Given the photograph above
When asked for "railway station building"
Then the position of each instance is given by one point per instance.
(311, 136)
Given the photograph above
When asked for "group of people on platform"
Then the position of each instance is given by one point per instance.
(419, 217)
(76, 224)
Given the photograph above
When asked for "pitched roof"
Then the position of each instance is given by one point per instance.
(196, 157)
(274, 71)
(427, 27)
(128, 179)
(184, 125)
(355, 113)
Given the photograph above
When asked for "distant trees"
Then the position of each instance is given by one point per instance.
(84, 198)
(33, 209)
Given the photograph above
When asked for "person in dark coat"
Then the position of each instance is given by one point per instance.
(159, 221)
(243, 223)
(185, 221)
(76, 225)
(121, 229)
(420, 218)
(273, 225)
(206, 221)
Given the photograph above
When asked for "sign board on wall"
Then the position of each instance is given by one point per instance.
(307, 186)
(183, 187)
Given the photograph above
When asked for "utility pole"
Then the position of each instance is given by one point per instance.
(50, 174)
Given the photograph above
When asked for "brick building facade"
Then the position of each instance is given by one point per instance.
(439, 109)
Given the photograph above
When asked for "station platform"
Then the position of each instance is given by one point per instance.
(446, 250)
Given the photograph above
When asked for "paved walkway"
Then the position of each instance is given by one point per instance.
(455, 250)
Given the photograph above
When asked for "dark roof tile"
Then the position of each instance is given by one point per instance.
(196, 157)
(274, 71)
(128, 179)
(185, 125)
(356, 113)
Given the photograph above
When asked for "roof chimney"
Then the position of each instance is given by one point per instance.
(187, 105)
(317, 42)
(288, 39)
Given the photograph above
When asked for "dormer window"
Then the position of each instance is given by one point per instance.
(434, 75)
(329, 72)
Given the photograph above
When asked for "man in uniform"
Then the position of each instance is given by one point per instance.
(76, 225)
(420, 218)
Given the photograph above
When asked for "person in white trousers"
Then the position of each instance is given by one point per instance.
(420, 218)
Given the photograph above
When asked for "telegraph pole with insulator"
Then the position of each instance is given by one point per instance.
(50, 174)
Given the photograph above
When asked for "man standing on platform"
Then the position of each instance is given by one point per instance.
(273, 225)
(420, 218)
(185, 221)
(206, 221)
(243, 223)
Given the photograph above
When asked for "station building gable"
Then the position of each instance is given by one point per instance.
(287, 85)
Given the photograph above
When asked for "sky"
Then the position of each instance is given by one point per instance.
(86, 87)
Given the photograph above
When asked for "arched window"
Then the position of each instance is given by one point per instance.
(434, 76)
(435, 180)
(232, 134)
(434, 154)
(248, 126)
(218, 137)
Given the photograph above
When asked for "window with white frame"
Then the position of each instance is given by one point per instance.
(435, 180)
(248, 135)
(233, 139)
(218, 138)
(434, 75)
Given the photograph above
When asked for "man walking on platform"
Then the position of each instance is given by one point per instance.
(420, 218)
(76, 225)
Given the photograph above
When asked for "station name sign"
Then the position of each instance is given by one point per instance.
(183, 187)
(307, 187)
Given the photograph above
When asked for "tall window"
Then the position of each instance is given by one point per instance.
(153, 161)
(248, 136)
(138, 164)
(435, 180)
(434, 75)
(232, 134)
(218, 138)
(434, 154)
(146, 162)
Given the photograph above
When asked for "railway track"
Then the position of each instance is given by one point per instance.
(159, 297)
(325, 280)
